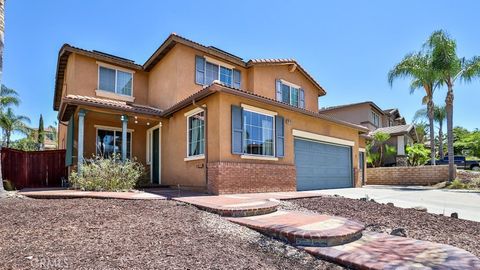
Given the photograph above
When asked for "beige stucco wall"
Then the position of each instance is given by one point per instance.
(173, 78)
(263, 83)
(293, 120)
(191, 173)
(82, 78)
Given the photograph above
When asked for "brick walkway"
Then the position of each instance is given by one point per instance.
(69, 194)
(335, 239)
(305, 229)
(382, 251)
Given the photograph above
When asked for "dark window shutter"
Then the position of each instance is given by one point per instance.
(199, 70)
(301, 99)
(278, 87)
(69, 146)
(237, 78)
(237, 130)
(279, 136)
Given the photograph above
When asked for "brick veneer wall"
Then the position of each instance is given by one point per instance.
(243, 177)
(418, 175)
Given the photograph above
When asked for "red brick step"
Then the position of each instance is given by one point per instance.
(382, 251)
(305, 229)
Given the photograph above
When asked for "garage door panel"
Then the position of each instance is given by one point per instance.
(321, 165)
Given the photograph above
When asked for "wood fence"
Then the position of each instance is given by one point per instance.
(33, 169)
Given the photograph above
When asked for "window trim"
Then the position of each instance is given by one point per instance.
(114, 129)
(110, 94)
(292, 86)
(219, 64)
(188, 115)
(272, 114)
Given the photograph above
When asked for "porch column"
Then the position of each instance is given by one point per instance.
(124, 137)
(81, 121)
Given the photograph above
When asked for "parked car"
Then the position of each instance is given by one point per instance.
(461, 163)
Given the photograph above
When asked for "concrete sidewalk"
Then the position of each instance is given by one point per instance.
(438, 201)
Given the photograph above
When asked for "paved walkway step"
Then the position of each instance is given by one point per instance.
(382, 251)
(305, 229)
(231, 206)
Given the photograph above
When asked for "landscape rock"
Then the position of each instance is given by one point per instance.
(399, 232)
(390, 204)
(454, 215)
(420, 208)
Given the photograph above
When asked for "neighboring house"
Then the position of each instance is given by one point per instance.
(49, 141)
(202, 118)
(375, 119)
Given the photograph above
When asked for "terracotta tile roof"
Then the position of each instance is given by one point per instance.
(281, 61)
(217, 86)
(272, 60)
(112, 104)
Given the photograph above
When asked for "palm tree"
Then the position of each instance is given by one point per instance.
(10, 122)
(439, 115)
(418, 67)
(445, 60)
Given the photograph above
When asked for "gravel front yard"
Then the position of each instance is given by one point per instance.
(383, 218)
(118, 234)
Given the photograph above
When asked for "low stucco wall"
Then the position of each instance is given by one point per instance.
(419, 175)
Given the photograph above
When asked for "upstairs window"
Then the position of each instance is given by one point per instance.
(115, 81)
(290, 94)
(375, 119)
(206, 72)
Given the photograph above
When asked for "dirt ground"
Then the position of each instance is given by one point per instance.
(120, 234)
(384, 218)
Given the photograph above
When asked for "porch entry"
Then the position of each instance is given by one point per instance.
(153, 154)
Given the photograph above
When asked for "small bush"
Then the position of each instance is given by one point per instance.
(417, 154)
(107, 174)
(457, 184)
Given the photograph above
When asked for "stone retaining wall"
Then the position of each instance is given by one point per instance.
(243, 177)
(418, 175)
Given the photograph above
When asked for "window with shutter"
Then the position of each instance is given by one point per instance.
(199, 70)
(237, 130)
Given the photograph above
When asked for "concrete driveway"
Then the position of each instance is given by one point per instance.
(437, 201)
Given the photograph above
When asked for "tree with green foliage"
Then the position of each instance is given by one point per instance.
(418, 67)
(377, 149)
(446, 62)
(26, 144)
(40, 134)
(10, 122)
(439, 116)
(421, 128)
(417, 154)
(466, 142)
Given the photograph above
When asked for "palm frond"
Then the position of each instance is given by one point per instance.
(471, 69)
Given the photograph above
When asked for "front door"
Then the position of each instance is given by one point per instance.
(361, 166)
(155, 156)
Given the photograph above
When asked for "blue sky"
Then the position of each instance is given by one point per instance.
(348, 46)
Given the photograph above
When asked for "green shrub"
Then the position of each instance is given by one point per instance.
(417, 154)
(457, 184)
(107, 174)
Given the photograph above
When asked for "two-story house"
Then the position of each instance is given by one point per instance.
(201, 118)
(375, 119)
